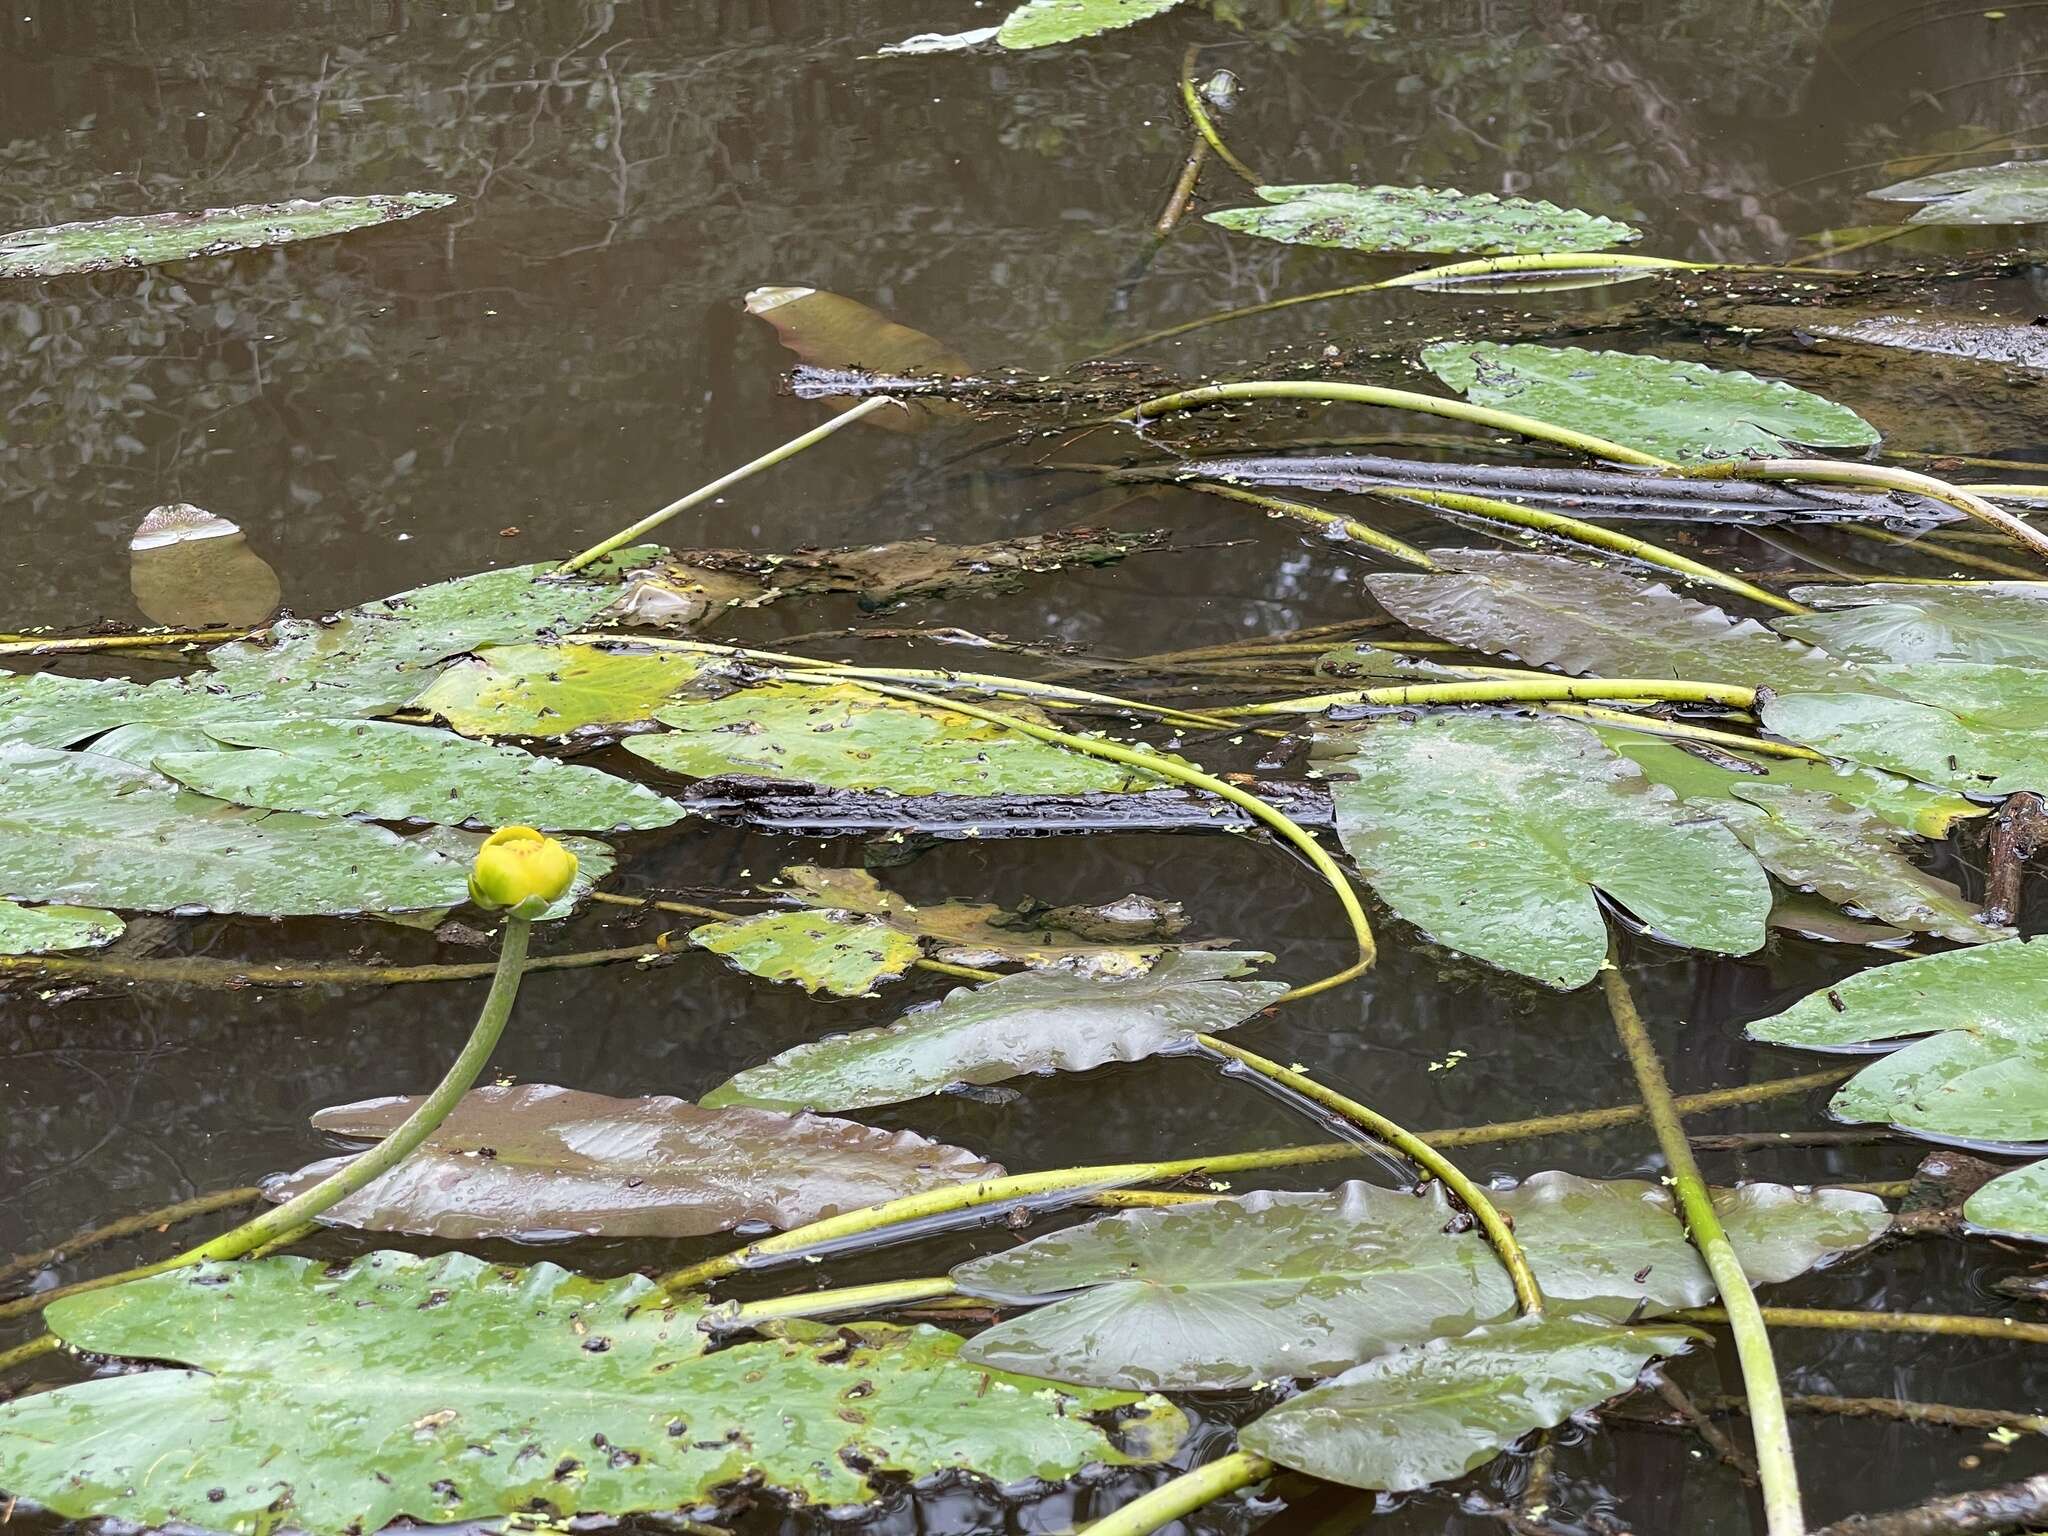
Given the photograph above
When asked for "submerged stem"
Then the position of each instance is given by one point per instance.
(1191, 98)
(129, 1226)
(1773, 1434)
(768, 460)
(1302, 512)
(1848, 1320)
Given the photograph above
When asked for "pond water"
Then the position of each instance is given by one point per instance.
(566, 348)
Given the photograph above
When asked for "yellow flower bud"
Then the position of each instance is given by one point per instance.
(520, 870)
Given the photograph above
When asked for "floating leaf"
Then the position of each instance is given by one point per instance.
(1492, 835)
(833, 331)
(845, 737)
(837, 953)
(1896, 623)
(939, 42)
(1035, 1021)
(1674, 409)
(187, 568)
(539, 1161)
(556, 690)
(41, 930)
(446, 1389)
(1426, 1415)
(409, 773)
(1601, 621)
(105, 244)
(2014, 1204)
(1812, 917)
(48, 709)
(1231, 1293)
(1980, 728)
(1981, 1076)
(2011, 192)
(1423, 220)
(75, 826)
(1041, 23)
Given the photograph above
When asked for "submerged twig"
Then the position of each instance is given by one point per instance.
(2015, 1505)
(2021, 829)
(1731, 1454)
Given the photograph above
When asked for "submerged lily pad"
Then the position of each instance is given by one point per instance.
(188, 567)
(2011, 192)
(845, 737)
(42, 930)
(833, 331)
(1426, 1415)
(537, 1160)
(837, 953)
(1036, 1021)
(1041, 23)
(409, 773)
(1675, 409)
(1493, 834)
(1892, 623)
(1424, 220)
(446, 1389)
(102, 245)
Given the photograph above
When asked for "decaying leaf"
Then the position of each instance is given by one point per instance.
(189, 568)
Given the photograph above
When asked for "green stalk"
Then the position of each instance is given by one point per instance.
(129, 1226)
(1395, 399)
(1191, 98)
(203, 971)
(703, 493)
(1877, 477)
(21, 1354)
(1679, 730)
(1301, 511)
(881, 1296)
(1557, 524)
(380, 1159)
(1286, 827)
(1773, 1434)
(1185, 1494)
(1502, 1236)
(58, 645)
(1847, 1320)
(1529, 691)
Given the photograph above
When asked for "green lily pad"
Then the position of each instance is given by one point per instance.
(1042, 23)
(556, 690)
(2014, 1204)
(2011, 192)
(837, 953)
(1599, 621)
(1674, 409)
(43, 930)
(1977, 727)
(845, 737)
(1429, 1414)
(1891, 623)
(1422, 220)
(1034, 1021)
(409, 773)
(1493, 834)
(75, 826)
(103, 245)
(446, 1389)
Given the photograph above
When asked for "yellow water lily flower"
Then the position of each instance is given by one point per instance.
(522, 871)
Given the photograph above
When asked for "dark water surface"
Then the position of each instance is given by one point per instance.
(565, 349)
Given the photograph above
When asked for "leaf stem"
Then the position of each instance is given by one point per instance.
(58, 645)
(21, 1354)
(1301, 511)
(1848, 1320)
(201, 971)
(1394, 399)
(768, 460)
(1528, 1296)
(1191, 98)
(1185, 1494)
(1773, 1434)
(1518, 691)
(129, 1226)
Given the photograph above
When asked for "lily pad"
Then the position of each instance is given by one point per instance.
(2014, 1204)
(75, 826)
(1600, 621)
(1893, 623)
(837, 953)
(845, 737)
(556, 690)
(1981, 1074)
(1041, 23)
(102, 245)
(537, 1161)
(1426, 1415)
(1035, 1021)
(833, 331)
(1422, 220)
(42, 930)
(1493, 835)
(1977, 727)
(2011, 192)
(1674, 409)
(409, 773)
(446, 1389)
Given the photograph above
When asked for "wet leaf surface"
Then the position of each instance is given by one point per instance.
(1041, 23)
(2011, 192)
(540, 1161)
(837, 953)
(1676, 410)
(2014, 1204)
(1035, 1021)
(845, 737)
(1424, 220)
(189, 568)
(144, 241)
(447, 1389)
(556, 690)
(1893, 623)
(1492, 835)
(1426, 1415)
(1978, 728)
(42, 930)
